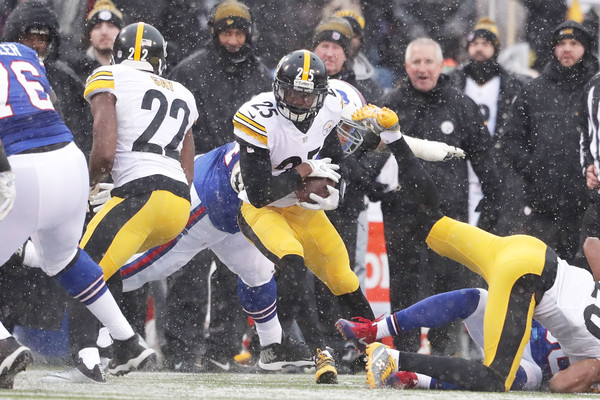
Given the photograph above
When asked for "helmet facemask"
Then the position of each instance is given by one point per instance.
(299, 101)
(351, 135)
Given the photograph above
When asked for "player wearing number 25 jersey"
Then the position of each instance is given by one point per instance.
(286, 136)
(143, 138)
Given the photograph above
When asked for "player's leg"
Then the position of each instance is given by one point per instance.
(57, 239)
(431, 312)
(125, 226)
(257, 291)
(162, 261)
(271, 231)
(327, 257)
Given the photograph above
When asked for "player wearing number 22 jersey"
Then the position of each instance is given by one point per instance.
(143, 137)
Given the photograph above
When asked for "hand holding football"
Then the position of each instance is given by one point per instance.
(314, 185)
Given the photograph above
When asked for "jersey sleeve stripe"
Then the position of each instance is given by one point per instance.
(103, 85)
(250, 122)
(100, 75)
(253, 134)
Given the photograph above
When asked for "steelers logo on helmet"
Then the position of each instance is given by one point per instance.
(300, 85)
(141, 46)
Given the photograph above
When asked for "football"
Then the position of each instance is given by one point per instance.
(314, 185)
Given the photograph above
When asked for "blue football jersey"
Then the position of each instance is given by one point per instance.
(27, 117)
(212, 174)
(546, 351)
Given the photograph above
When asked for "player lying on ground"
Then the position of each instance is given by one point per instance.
(542, 357)
(525, 277)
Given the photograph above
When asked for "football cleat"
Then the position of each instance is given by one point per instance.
(14, 358)
(380, 365)
(131, 354)
(79, 374)
(325, 371)
(377, 119)
(275, 357)
(402, 380)
(360, 331)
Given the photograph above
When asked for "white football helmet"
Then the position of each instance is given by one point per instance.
(350, 133)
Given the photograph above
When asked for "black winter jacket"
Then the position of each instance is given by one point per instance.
(542, 140)
(513, 199)
(446, 115)
(220, 88)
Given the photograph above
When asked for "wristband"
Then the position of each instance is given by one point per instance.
(388, 137)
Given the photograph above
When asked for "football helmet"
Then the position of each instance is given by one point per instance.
(141, 46)
(300, 85)
(350, 133)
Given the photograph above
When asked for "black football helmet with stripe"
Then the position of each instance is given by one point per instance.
(141, 46)
(300, 85)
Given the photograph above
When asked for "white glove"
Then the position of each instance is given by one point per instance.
(429, 150)
(323, 168)
(99, 195)
(323, 203)
(8, 193)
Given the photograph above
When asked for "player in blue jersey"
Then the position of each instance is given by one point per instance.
(51, 184)
(542, 358)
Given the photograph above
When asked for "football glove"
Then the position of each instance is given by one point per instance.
(323, 168)
(323, 203)
(433, 151)
(8, 193)
(377, 119)
(99, 195)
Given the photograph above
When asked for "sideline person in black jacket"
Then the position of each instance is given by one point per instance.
(494, 89)
(222, 76)
(542, 141)
(429, 108)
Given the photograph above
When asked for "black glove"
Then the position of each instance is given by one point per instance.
(488, 207)
(376, 191)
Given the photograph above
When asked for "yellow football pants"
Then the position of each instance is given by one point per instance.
(512, 266)
(124, 227)
(278, 232)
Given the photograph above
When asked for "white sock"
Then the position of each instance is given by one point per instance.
(269, 332)
(90, 356)
(31, 257)
(108, 312)
(3, 332)
(382, 329)
(104, 340)
(423, 381)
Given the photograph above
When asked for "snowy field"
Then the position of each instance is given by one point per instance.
(174, 386)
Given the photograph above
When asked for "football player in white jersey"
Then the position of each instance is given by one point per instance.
(526, 280)
(143, 139)
(285, 136)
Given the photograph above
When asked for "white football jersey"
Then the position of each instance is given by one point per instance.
(153, 115)
(569, 309)
(259, 123)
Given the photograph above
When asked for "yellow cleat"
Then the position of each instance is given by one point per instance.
(380, 365)
(325, 367)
